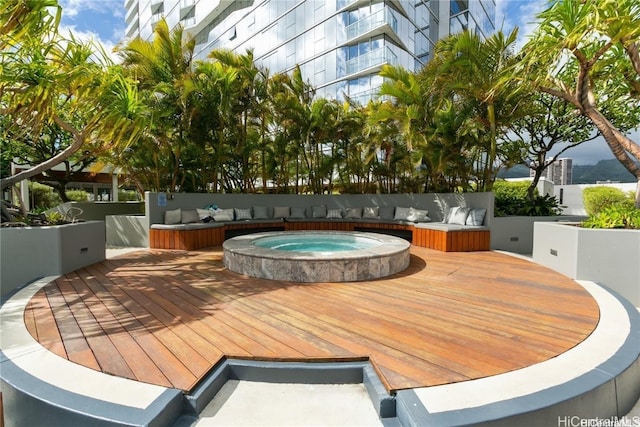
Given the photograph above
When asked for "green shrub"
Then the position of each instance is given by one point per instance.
(616, 216)
(596, 199)
(128, 196)
(43, 197)
(511, 199)
(77, 195)
(55, 218)
(510, 189)
(521, 206)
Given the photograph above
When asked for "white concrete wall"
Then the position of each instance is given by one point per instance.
(570, 196)
(515, 233)
(29, 253)
(127, 231)
(609, 257)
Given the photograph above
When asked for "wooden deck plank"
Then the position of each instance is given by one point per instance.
(41, 324)
(451, 316)
(144, 329)
(107, 355)
(75, 343)
(109, 316)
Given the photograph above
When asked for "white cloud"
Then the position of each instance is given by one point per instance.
(73, 8)
(99, 20)
(521, 14)
(86, 36)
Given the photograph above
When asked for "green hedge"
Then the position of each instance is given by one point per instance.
(77, 195)
(43, 197)
(510, 189)
(597, 199)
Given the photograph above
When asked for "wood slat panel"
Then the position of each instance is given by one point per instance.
(451, 316)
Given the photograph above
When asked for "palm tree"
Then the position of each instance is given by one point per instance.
(161, 67)
(479, 72)
(387, 143)
(245, 108)
(209, 91)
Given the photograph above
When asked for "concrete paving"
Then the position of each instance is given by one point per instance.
(289, 405)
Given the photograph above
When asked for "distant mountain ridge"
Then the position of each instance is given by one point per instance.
(604, 170)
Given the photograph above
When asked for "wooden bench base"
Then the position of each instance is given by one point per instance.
(186, 240)
(447, 241)
(452, 241)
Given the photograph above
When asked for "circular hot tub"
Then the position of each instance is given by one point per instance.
(316, 256)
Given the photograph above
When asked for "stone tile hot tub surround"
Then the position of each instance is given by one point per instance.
(388, 256)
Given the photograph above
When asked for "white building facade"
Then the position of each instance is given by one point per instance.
(340, 45)
(559, 172)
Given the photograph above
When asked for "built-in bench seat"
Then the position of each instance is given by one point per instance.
(452, 237)
(439, 236)
(435, 234)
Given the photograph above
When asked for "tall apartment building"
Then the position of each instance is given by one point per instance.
(559, 172)
(340, 45)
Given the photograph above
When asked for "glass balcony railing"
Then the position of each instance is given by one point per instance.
(375, 58)
(186, 4)
(364, 97)
(155, 18)
(375, 20)
(188, 22)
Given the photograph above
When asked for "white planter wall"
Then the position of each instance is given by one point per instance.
(29, 253)
(609, 257)
(128, 231)
(515, 233)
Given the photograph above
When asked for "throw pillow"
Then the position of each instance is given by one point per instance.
(189, 216)
(401, 213)
(203, 214)
(222, 215)
(386, 212)
(298, 213)
(476, 216)
(281, 212)
(228, 212)
(458, 215)
(319, 211)
(173, 217)
(418, 215)
(242, 214)
(334, 213)
(370, 212)
(354, 213)
(260, 212)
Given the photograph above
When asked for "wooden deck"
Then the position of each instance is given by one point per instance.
(167, 317)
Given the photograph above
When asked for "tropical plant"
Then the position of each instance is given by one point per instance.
(615, 216)
(477, 74)
(511, 198)
(546, 205)
(20, 19)
(550, 125)
(597, 44)
(160, 67)
(48, 80)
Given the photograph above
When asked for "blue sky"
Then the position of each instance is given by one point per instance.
(103, 20)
